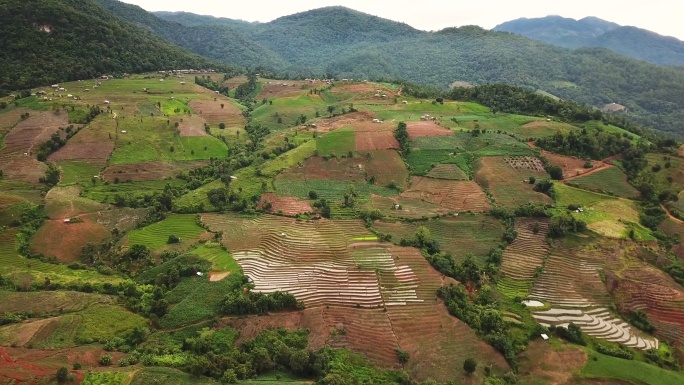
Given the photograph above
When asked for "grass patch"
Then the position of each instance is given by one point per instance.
(105, 193)
(103, 322)
(289, 159)
(75, 172)
(611, 181)
(601, 366)
(421, 161)
(220, 258)
(104, 378)
(337, 143)
(167, 376)
(157, 234)
(201, 303)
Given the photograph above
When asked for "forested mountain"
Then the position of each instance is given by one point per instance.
(558, 30)
(350, 44)
(593, 32)
(333, 40)
(211, 39)
(56, 40)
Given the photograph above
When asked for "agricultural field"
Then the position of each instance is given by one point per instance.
(462, 235)
(156, 235)
(508, 185)
(317, 207)
(609, 180)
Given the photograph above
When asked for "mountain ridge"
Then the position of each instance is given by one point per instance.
(635, 42)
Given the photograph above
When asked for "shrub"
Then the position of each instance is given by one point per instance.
(105, 360)
(469, 365)
(62, 375)
(402, 356)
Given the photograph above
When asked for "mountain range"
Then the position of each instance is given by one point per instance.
(594, 32)
(336, 41)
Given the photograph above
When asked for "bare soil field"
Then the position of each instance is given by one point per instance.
(284, 88)
(375, 140)
(385, 165)
(542, 363)
(11, 118)
(212, 112)
(137, 172)
(24, 138)
(192, 125)
(285, 205)
(451, 194)
(508, 185)
(417, 129)
(571, 165)
(351, 119)
(525, 163)
(66, 240)
(91, 152)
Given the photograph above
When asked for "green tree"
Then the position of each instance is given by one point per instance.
(229, 377)
(222, 126)
(105, 360)
(469, 365)
(423, 236)
(62, 375)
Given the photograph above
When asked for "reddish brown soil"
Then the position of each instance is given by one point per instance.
(25, 137)
(681, 150)
(375, 140)
(427, 128)
(542, 363)
(137, 172)
(285, 205)
(451, 194)
(91, 152)
(66, 240)
(192, 126)
(571, 165)
(593, 170)
(212, 112)
(33, 366)
(385, 165)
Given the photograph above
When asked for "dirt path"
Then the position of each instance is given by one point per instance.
(669, 214)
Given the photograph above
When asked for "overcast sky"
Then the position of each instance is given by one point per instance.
(661, 16)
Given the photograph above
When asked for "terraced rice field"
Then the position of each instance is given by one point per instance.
(598, 323)
(452, 195)
(317, 261)
(642, 287)
(610, 180)
(157, 234)
(571, 279)
(523, 257)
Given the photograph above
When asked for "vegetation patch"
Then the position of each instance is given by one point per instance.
(336, 143)
(156, 235)
(609, 181)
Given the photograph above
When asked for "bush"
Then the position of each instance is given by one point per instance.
(105, 360)
(402, 356)
(615, 352)
(571, 334)
(469, 365)
(173, 239)
(62, 375)
(555, 172)
(313, 195)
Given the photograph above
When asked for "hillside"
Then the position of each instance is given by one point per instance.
(322, 41)
(633, 42)
(212, 39)
(56, 40)
(155, 231)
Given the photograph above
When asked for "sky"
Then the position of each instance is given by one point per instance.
(661, 16)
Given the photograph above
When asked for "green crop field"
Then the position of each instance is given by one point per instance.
(338, 143)
(75, 172)
(220, 258)
(289, 159)
(102, 322)
(202, 302)
(175, 107)
(452, 143)
(104, 378)
(105, 193)
(602, 366)
(422, 161)
(611, 180)
(157, 234)
(197, 198)
(416, 108)
(167, 376)
(150, 139)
